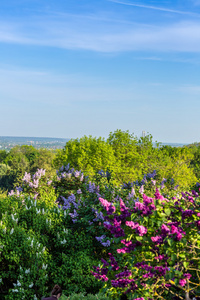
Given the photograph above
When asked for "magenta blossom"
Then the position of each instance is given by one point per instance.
(182, 282)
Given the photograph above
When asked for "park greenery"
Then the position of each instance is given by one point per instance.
(104, 219)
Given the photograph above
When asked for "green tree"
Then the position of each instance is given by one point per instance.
(88, 154)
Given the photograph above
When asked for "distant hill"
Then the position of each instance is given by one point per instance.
(173, 144)
(8, 142)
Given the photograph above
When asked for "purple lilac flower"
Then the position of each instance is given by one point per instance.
(131, 194)
(162, 185)
(27, 177)
(101, 238)
(187, 275)
(187, 213)
(18, 188)
(91, 187)
(117, 231)
(74, 216)
(108, 206)
(125, 273)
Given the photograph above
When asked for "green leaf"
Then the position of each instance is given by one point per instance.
(170, 242)
(167, 211)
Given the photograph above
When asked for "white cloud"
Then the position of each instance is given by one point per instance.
(88, 33)
(157, 8)
(38, 87)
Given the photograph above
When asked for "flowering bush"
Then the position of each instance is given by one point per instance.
(141, 239)
(37, 186)
(157, 247)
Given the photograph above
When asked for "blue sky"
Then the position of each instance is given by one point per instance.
(88, 67)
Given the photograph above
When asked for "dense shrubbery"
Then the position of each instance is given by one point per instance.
(59, 237)
(21, 159)
(55, 229)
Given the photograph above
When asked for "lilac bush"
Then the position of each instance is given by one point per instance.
(157, 247)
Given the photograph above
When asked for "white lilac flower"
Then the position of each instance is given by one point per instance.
(15, 291)
(44, 266)
(30, 285)
(12, 230)
(18, 283)
(35, 297)
(27, 271)
(43, 211)
(63, 242)
(32, 243)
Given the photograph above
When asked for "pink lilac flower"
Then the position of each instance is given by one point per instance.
(156, 239)
(174, 229)
(132, 224)
(142, 230)
(179, 236)
(139, 205)
(107, 205)
(182, 282)
(165, 229)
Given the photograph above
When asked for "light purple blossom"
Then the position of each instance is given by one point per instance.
(141, 190)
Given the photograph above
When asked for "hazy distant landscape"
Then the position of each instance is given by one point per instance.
(8, 142)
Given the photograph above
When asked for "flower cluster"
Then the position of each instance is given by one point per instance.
(151, 232)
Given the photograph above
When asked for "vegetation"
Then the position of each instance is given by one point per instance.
(99, 210)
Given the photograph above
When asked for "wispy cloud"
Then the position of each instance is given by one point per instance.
(43, 87)
(92, 34)
(157, 8)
